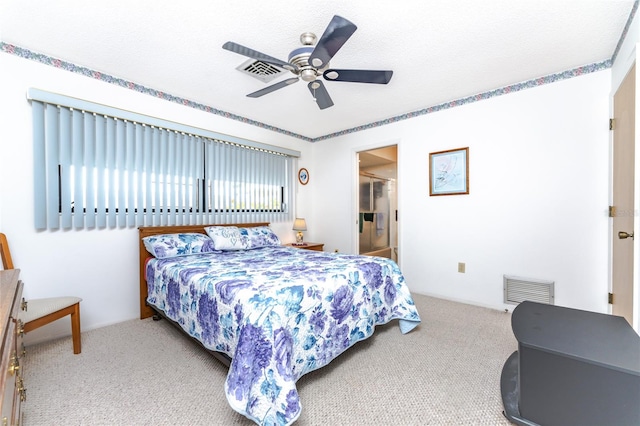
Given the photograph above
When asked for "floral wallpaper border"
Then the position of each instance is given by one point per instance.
(479, 97)
(58, 63)
(87, 72)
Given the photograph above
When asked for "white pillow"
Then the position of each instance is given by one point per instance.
(227, 238)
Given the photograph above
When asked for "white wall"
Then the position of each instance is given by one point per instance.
(627, 54)
(98, 265)
(537, 206)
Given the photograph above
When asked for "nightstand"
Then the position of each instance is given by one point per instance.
(308, 246)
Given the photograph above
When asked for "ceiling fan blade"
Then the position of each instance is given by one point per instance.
(358, 76)
(320, 94)
(245, 51)
(337, 33)
(273, 87)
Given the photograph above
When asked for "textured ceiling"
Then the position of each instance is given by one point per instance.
(439, 50)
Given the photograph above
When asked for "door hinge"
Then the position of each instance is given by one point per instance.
(611, 298)
(612, 211)
(612, 123)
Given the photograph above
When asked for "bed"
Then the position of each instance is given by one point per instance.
(273, 312)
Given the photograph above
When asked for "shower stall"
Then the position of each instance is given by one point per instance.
(374, 220)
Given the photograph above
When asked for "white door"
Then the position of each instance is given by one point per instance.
(623, 199)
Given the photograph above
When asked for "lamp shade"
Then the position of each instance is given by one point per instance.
(299, 224)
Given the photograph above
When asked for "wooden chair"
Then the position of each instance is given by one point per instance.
(39, 312)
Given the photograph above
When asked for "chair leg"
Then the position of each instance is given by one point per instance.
(73, 311)
(75, 329)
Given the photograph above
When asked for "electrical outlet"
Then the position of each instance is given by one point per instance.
(461, 267)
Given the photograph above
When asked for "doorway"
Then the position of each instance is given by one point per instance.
(623, 211)
(378, 202)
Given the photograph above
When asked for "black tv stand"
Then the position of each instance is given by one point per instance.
(572, 367)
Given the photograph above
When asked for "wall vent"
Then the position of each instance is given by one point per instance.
(261, 70)
(518, 290)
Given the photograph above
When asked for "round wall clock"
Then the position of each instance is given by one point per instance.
(303, 176)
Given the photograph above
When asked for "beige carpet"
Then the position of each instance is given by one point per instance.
(445, 372)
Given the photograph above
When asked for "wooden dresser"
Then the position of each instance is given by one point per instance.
(12, 390)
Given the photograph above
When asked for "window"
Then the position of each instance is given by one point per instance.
(97, 166)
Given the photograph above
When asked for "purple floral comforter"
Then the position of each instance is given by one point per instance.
(279, 313)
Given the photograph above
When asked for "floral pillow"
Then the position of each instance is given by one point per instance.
(173, 245)
(227, 238)
(260, 236)
(234, 238)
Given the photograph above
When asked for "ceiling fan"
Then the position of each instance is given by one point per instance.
(309, 62)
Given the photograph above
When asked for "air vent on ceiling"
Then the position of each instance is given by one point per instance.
(518, 290)
(261, 70)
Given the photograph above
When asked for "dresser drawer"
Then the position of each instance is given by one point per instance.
(12, 391)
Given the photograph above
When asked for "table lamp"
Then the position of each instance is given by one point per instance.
(299, 225)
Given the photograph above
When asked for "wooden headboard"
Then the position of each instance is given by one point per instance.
(145, 310)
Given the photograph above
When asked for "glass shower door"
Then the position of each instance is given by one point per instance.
(374, 214)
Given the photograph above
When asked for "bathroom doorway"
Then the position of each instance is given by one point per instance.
(378, 202)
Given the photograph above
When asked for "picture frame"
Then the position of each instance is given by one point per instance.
(449, 172)
(303, 176)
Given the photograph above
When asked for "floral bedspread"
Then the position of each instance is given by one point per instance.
(279, 313)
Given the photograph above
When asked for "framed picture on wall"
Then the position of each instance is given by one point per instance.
(449, 172)
(303, 176)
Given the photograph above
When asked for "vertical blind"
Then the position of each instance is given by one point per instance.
(101, 167)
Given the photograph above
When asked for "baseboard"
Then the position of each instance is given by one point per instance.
(501, 307)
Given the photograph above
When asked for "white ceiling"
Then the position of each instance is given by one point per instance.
(439, 50)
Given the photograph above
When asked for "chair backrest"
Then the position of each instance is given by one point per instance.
(5, 254)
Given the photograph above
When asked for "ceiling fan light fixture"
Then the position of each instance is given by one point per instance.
(308, 74)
